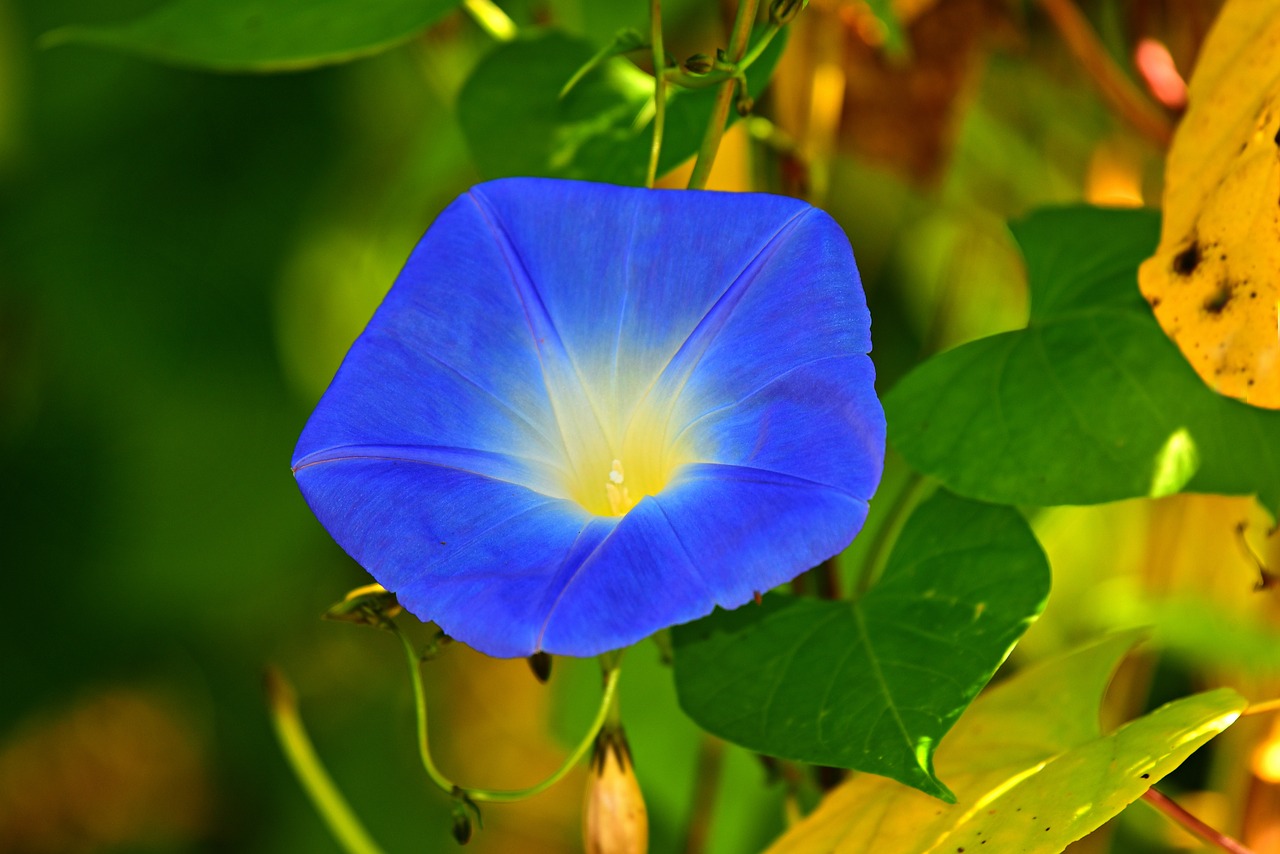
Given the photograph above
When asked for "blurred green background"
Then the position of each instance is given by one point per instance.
(161, 344)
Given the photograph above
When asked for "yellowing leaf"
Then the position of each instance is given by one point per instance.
(1029, 768)
(1214, 281)
(1075, 793)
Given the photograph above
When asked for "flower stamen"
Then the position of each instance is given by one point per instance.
(619, 496)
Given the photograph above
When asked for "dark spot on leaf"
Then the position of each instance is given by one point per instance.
(1218, 300)
(1276, 140)
(1146, 776)
(961, 850)
(1046, 830)
(1253, 294)
(1154, 302)
(1186, 261)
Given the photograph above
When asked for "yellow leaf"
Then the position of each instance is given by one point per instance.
(1027, 764)
(1214, 281)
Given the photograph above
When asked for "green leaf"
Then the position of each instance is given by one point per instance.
(624, 41)
(1028, 755)
(875, 684)
(1091, 402)
(262, 35)
(516, 123)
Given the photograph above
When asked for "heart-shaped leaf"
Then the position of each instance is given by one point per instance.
(1091, 402)
(873, 684)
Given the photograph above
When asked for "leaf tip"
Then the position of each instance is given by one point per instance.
(942, 793)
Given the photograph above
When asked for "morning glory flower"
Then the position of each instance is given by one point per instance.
(584, 413)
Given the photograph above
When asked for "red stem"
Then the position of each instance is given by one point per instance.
(1193, 824)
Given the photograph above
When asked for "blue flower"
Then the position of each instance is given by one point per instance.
(587, 412)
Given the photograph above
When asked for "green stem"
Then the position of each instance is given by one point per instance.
(887, 534)
(491, 19)
(720, 114)
(659, 89)
(282, 701)
(720, 75)
(610, 708)
(706, 781)
(420, 707)
(607, 701)
(495, 796)
(758, 48)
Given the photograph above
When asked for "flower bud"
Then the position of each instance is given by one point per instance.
(463, 809)
(745, 105)
(366, 606)
(461, 826)
(540, 664)
(784, 11)
(614, 819)
(699, 63)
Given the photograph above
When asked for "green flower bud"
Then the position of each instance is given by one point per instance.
(370, 605)
(784, 11)
(699, 63)
(461, 826)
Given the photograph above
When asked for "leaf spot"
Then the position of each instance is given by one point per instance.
(1186, 261)
(1217, 301)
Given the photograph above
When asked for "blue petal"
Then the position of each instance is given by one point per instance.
(478, 556)
(445, 362)
(716, 536)
(627, 275)
(714, 343)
